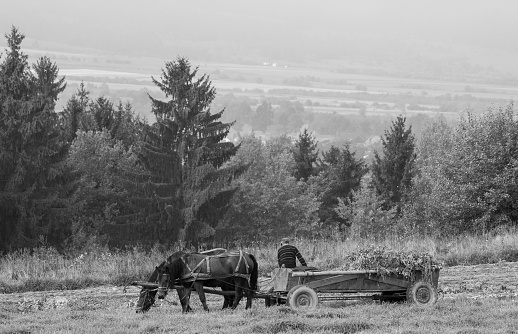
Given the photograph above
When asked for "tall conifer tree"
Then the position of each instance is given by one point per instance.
(392, 173)
(30, 143)
(342, 172)
(305, 154)
(185, 154)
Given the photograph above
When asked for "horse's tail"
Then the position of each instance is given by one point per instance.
(254, 276)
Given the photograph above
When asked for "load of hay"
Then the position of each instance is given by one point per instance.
(387, 261)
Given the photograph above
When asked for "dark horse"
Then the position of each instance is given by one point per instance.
(235, 269)
(147, 294)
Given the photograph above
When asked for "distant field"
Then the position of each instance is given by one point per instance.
(317, 86)
(323, 75)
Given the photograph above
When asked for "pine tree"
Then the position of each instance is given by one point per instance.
(72, 115)
(392, 174)
(305, 155)
(342, 173)
(30, 144)
(185, 153)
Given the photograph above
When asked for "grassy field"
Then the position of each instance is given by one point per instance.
(101, 315)
(478, 299)
(46, 269)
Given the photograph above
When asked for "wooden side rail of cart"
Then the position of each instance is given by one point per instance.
(303, 289)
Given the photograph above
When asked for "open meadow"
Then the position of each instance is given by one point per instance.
(110, 309)
(45, 292)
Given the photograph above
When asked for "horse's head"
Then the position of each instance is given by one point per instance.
(163, 282)
(146, 299)
(147, 295)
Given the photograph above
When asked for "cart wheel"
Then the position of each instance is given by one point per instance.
(302, 297)
(421, 293)
(270, 300)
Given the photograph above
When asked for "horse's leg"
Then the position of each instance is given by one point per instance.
(228, 300)
(239, 292)
(249, 294)
(184, 294)
(199, 288)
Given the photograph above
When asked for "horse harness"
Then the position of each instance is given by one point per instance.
(196, 274)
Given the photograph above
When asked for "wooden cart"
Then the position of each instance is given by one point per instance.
(304, 288)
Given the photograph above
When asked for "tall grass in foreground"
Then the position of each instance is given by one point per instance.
(44, 268)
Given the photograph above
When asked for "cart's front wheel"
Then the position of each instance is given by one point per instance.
(302, 297)
(421, 293)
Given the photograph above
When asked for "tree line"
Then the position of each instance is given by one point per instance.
(94, 173)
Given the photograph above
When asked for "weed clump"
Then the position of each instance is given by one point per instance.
(387, 261)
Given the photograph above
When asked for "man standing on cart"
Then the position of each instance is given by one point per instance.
(287, 255)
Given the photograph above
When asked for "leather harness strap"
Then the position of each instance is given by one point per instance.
(195, 275)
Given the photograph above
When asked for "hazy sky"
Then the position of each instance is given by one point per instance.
(283, 28)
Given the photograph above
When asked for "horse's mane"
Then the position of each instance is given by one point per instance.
(154, 274)
(175, 269)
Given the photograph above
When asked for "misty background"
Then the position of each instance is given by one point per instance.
(395, 35)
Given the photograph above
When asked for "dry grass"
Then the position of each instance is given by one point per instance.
(45, 269)
(448, 316)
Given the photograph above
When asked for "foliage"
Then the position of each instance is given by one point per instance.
(387, 261)
(470, 184)
(392, 173)
(100, 196)
(185, 153)
(263, 116)
(269, 201)
(83, 113)
(341, 173)
(288, 117)
(31, 150)
(425, 208)
(365, 213)
(238, 109)
(305, 154)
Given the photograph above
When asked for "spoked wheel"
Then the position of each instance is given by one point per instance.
(422, 294)
(302, 297)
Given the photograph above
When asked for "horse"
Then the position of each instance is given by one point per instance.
(147, 294)
(235, 269)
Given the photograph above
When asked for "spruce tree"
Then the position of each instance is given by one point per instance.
(30, 144)
(342, 173)
(392, 173)
(185, 153)
(305, 154)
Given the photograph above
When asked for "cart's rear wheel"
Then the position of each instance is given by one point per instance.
(302, 297)
(270, 300)
(422, 294)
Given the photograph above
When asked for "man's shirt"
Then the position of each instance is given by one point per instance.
(286, 255)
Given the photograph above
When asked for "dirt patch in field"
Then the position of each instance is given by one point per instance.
(498, 280)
